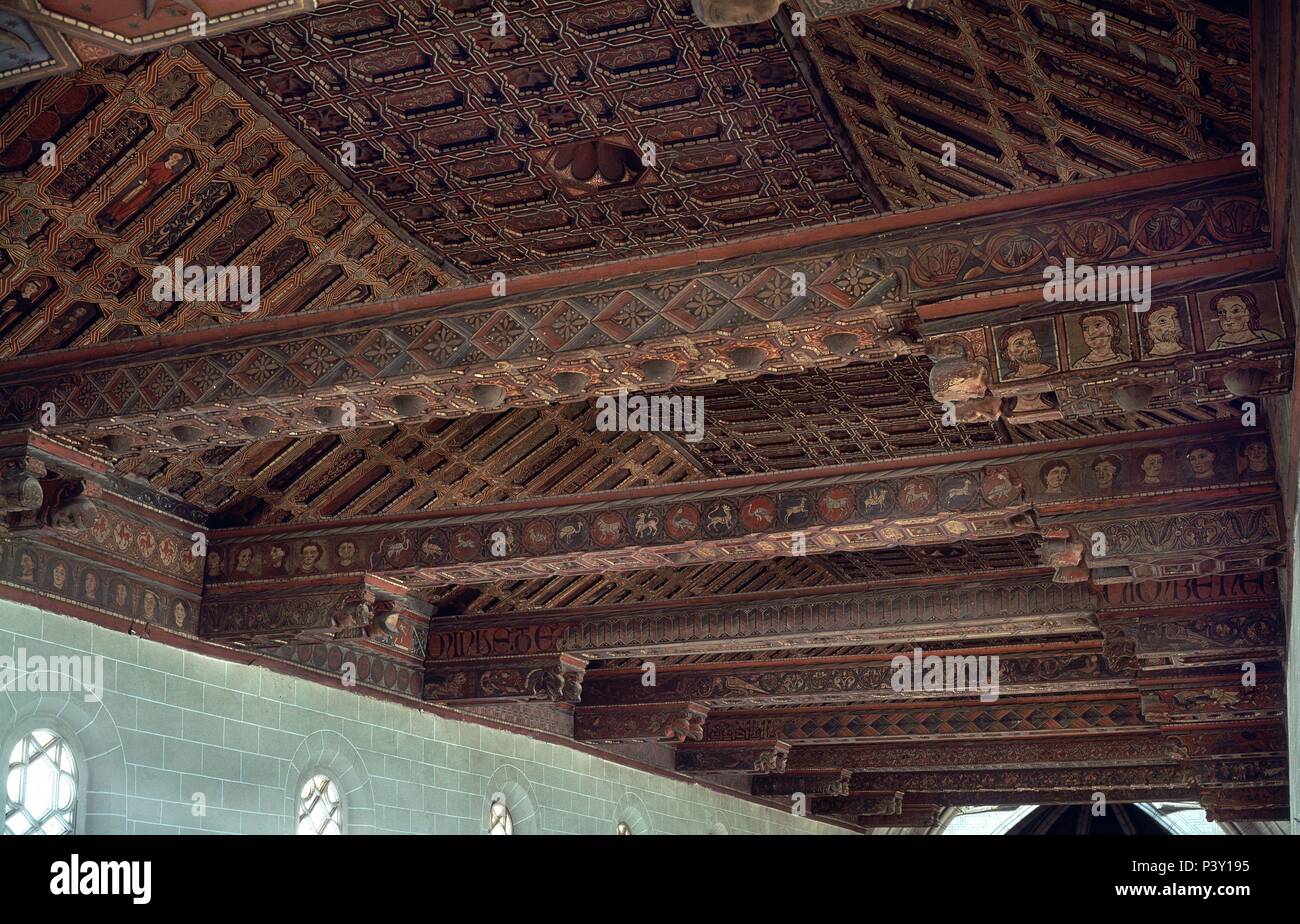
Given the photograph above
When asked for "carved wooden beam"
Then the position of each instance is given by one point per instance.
(910, 816)
(1096, 713)
(798, 300)
(1234, 772)
(1039, 780)
(308, 611)
(1068, 667)
(1109, 750)
(883, 802)
(1206, 591)
(1035, 361)
(1113, 796)
(1260, 803)
(994, 493)
(1210, 620)
(677, 723)
(1226, 533)
(796, 618)
(1261, 739)
(754, 623)
(752, 758)
(1213, 697)
(1159, 640)
(83, 542)
(829, 783)
(549, 678)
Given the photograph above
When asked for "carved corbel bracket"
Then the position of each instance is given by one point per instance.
(753, 757)
(551, 678)
(835, 783)
(882, 803)
(20, 485)
(675, 722)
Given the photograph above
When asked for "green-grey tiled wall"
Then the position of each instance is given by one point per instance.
(174, 724)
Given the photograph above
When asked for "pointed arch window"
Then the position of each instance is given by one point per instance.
(499, 820)
(320, 808)
(41, 786)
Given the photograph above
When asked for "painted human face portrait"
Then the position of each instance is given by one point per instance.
(346, 552)
(1097, 331)
(243, 559)
(1240, 320)
(1153, 465)
(1201, 461)
(1164, 330)
(1098, 339)
(26, 568)
(1104, 471)
(1022, 346)
(1026, 350)
(1258, 457)
(1054, 475)
(60, 575)
(90, 584)
(179, 613)
(310, 556)
(1233, 313)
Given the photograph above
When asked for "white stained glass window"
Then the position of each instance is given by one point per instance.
(41, 787)
(320, 810)
(499, 820)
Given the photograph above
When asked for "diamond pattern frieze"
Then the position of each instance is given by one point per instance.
(770, 294)
(256, 369)
(311, 363)
(697, 306)
(563, 325)
(626, 316)
(499, 333)
(375, 353)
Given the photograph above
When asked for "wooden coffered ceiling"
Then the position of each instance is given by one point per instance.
(798, 256)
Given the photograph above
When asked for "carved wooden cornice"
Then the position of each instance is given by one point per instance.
(1098, 713)
(560, 336)
(1038, 780)
(882, 802)
(759, 757)
(859, 679)
(830, 783)
(924, 501)
(789, 621)
(678, 723)
(76, 538)
(1261, 803)
(1267, 739)
(552, 678)
(1216, 638)
(349, 606)
(1213, 697)
(1109, 750)
(1034, 364)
